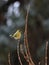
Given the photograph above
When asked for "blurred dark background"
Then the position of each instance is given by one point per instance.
(12, 18)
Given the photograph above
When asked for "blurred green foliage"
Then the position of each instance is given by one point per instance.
(12, 18)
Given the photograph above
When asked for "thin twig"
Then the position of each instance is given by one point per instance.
(39, 63)
(9, 58)
(25, 35)
(18, 52)
(46, 52)
(26, 39)
(22, 51)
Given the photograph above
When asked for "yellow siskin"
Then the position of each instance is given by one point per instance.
(16, 35)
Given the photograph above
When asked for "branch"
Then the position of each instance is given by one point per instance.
(28, 55)
(46, 53)
(9, 58)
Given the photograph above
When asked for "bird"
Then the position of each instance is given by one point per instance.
(16, 35)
